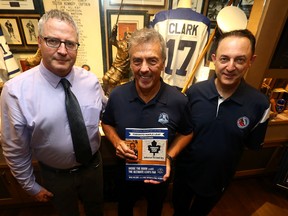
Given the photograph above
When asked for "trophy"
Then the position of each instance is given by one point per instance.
(280, 105)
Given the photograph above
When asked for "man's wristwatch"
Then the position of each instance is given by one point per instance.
(170, 158)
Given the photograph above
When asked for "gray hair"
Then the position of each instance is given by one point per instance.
(146, 35)
(57, 14)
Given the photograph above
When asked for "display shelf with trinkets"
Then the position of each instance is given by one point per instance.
(272, 80)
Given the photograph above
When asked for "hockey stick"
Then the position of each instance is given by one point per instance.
(120, 8)
(201, 56)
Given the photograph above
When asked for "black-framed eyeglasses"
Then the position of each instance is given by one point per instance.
(56, 43)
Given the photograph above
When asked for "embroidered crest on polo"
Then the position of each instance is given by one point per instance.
(163, 118)
(243, 122)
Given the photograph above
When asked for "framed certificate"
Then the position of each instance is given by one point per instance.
(21, 7)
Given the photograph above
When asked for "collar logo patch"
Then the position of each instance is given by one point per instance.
(243, 122)
(163, 118)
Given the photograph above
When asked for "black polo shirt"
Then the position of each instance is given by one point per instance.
(220, 134)
(125, 109)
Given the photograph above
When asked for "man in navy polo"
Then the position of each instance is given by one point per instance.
(145, 102)
(228, 115)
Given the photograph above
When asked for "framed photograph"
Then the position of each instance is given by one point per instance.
(139, 2)
(246, 6)
(128, 22)
(30, 29)
(21, 6)
(11, 30)
(214, 6)
(197, 5)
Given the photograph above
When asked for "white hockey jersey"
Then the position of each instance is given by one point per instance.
(186, 33)
(8, 65)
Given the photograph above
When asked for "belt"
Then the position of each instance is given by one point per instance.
(69, 170)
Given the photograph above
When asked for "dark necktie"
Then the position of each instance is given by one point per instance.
(78, 130)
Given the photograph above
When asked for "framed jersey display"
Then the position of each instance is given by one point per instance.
(186, 33)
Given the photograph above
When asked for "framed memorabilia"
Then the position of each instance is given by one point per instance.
(11, 30)
(21, 6)
(139, 2)
(245, 5)
(17, 5)
(30, 29)
(214, 6)
(197, 5)
(128, 22)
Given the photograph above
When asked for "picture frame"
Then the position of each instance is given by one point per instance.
(139, 2)
(11, 30)
(30, 30)
(213, 8)
(22, 7)
(197, 5)
(128, 20)
(245, 5)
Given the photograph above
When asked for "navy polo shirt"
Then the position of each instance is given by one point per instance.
(125, 109)
(220, 135)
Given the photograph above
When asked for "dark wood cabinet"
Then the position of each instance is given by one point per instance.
(11, 193)
(268, 21)
(268, 159)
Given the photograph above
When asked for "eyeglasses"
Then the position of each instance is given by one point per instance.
(56, 43)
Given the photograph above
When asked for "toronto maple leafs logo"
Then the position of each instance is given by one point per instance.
(154, 148)
(163, 118)
(160, 171)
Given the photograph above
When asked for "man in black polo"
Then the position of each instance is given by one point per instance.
(228, 115)
(145, 102)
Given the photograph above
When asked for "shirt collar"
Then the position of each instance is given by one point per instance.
(54, 79)
(212, 91)
(162, 98)
(237, 96)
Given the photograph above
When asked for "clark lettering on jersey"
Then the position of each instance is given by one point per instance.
(188, 29)
(186, 33)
